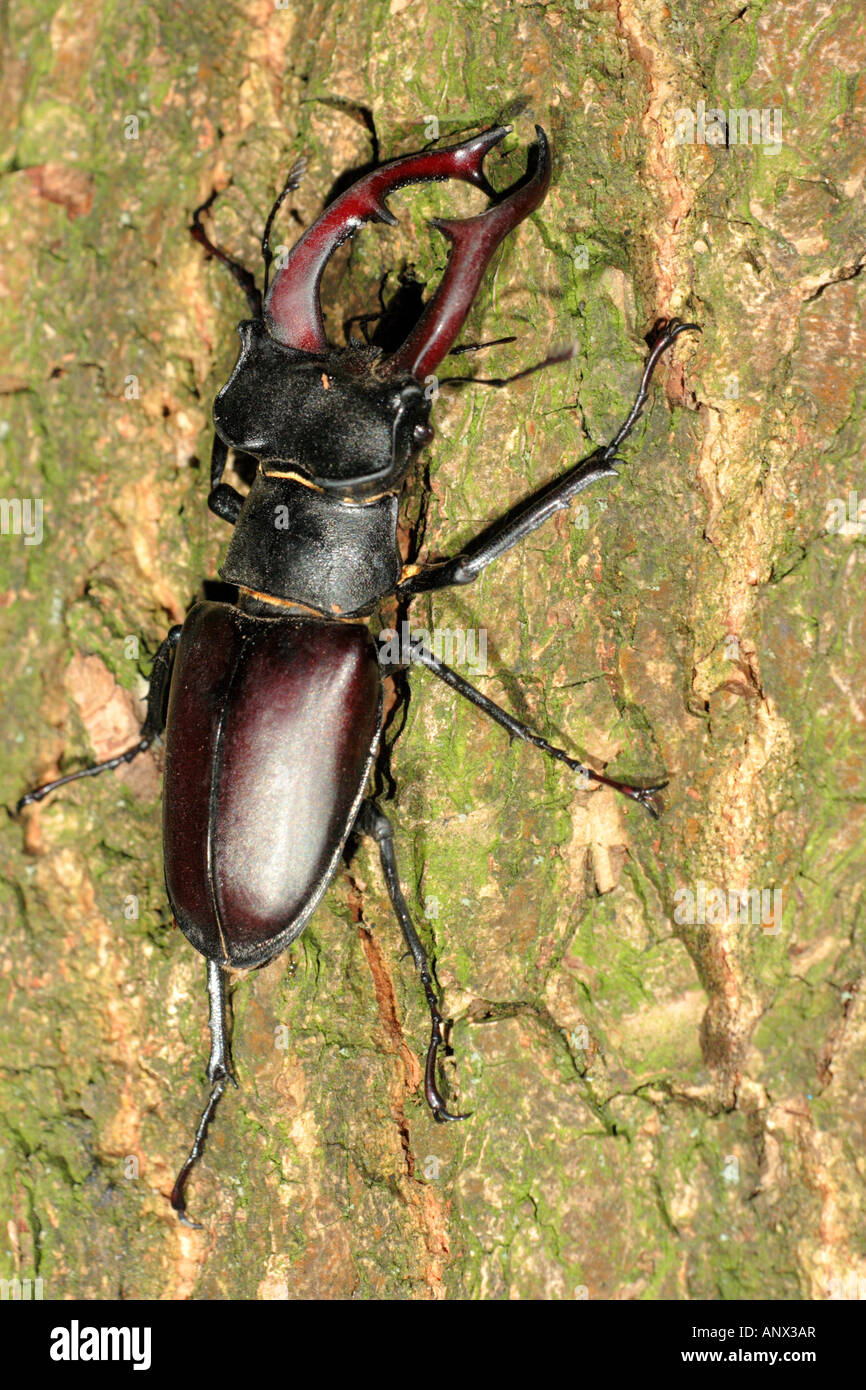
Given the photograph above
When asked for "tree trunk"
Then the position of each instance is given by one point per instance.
(658, 1026)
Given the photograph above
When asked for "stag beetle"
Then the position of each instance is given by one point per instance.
(271, 705)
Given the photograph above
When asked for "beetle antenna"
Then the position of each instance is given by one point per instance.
(244, 277)
(476, 347)
(218, 1073)
(564, 354)
(293, 179)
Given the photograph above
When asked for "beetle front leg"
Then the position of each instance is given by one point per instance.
(219, 1071)
(506, 533)
(154, 723)
(554, 497)
(373, 821)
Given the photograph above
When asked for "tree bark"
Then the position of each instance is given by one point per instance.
(664, 1076)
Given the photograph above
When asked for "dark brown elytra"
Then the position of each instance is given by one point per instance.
(272, 704)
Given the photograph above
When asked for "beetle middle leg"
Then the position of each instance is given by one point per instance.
(644, 796)
(223, 500)
(525, 518)
(373, 821)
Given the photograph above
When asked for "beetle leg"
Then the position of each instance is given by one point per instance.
(554, 497)
(154, 723)
(664, 334)
(645, 796)
(373, 821)
(223, 500)
(219, 1071)
(525, 518)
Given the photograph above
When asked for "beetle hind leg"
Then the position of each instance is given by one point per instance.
(219, 1071)
(373, 821)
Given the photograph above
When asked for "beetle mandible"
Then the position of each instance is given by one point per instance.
(271, 705)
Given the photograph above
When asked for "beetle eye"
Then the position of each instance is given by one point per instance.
(422, 434)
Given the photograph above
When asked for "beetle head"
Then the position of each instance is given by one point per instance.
(333, 419)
